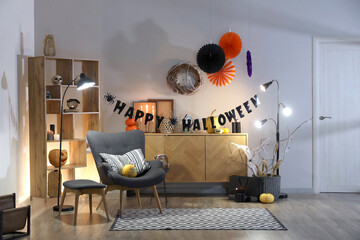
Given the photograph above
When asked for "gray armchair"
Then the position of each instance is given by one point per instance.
(118, 144)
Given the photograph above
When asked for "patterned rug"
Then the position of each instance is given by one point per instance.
(197, 219)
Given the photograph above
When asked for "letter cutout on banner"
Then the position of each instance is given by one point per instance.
(119, 107)
(222, 119)
(204, 124)
(247, 107)
(240, 112)
(159, 120)
(196, 125)
(139, 114)
(212, 123)
(255, 101)
(230, 115)
(186, 124)
(129, 113)
(148, 118)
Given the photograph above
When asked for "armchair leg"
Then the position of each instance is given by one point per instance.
(157, 198)
(90, 203)
(106, 191)
(138, 196)
(120, 210)
(105, 206)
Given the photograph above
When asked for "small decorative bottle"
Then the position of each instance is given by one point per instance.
(49, 45)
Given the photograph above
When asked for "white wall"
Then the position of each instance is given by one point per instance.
(139, 41)
(16, 17)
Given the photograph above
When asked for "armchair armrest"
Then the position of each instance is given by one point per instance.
(105, 171)
(155, 164)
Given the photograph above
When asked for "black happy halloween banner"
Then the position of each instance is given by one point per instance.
(222, 118)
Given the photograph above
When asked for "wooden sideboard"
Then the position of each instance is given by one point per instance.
(197, 157)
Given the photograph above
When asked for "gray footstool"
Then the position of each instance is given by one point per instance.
(80, 187)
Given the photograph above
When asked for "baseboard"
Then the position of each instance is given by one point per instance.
(23, 200)
(297, 190)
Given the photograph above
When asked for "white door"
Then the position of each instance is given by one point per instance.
(336, 94)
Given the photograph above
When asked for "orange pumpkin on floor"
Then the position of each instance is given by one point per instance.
(266, 198)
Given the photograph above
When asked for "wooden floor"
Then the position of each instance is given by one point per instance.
(307, 216)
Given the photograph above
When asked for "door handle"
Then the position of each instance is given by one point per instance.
(322, 117)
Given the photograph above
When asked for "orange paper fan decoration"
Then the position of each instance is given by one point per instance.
(224, 76)
(231, 43)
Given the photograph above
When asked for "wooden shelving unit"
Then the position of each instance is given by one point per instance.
(44, 112)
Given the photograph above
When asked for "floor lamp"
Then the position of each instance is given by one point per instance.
(83, 83)
(287, 112)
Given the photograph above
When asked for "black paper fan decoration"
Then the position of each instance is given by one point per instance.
(210, 58)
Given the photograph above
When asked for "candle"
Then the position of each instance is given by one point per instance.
(146, 108)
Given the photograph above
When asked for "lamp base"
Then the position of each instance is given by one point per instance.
(283, 195)
(65, 208)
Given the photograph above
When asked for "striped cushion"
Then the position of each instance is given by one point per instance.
(134, 157)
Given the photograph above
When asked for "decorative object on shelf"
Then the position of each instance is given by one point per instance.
(52, 128)
(53, 178)
(163, 106)
(164, 159)
(236, 126)
(130, 123)
(210, 58)
(72, 103)
(56, 80)
(166, 126)
(187, 124)
(218, 131)
(266, 198)
(49, 45)
(225, 130)
(48, 95)
(50, 135)
(54, 157)
(184, 79)
(129, 171)
(249, 63)
(144, 115)
(224, 76)
(231, 43)
(56, 137)
(212, 123)
(109, 98)
(82, 83)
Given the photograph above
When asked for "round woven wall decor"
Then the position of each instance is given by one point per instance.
(184, 79)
